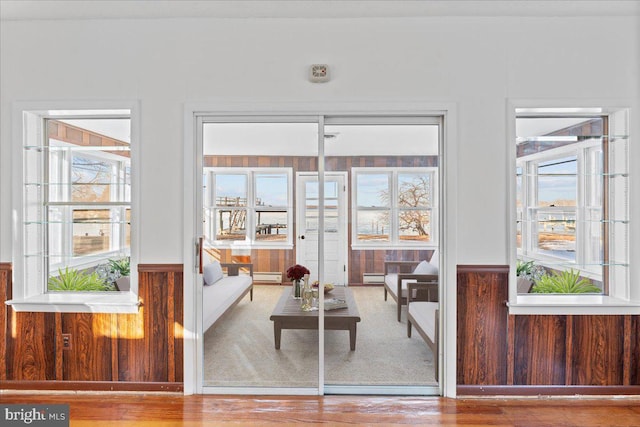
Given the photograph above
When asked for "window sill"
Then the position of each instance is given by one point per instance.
(572, 304)
(112, 302)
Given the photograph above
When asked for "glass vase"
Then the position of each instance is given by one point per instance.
(297, 289)
(307, 297)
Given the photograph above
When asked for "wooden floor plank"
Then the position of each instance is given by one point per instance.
(164, 410)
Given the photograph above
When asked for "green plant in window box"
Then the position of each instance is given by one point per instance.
(74, 280)
(527, 273)
(121, 265)
(564, 282)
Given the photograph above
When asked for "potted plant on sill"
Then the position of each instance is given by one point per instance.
(77, 280)
(527, 273)
(564, 282)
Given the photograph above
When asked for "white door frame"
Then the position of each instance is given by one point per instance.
(192, 337)
(342, 216)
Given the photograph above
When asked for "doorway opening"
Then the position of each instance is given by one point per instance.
(341, 197)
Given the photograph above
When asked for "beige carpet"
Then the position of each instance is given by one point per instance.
(239, 350)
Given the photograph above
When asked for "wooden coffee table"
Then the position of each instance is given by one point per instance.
(288, 315)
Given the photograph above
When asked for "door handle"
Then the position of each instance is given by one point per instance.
(302, 237)
(199, 249)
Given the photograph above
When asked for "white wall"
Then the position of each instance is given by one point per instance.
(478, 63)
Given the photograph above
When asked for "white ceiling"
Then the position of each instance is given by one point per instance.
(161, 9)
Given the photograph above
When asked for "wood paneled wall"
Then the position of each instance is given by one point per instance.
(360, 261)
(497, 353)
(500, 353)
(110, 351)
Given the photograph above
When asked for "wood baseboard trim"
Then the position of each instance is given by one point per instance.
(462, 268)
(92, 386)
(160, 268)
(543, 390)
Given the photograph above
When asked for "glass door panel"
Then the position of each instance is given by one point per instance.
(392, 214)
(340, 200)
(262, 341)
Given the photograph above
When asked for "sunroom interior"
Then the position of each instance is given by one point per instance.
(261, 205)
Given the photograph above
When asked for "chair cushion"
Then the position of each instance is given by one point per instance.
(426, 268)
(424, 315)
(435, 260)
(392, 281)
(212, 273)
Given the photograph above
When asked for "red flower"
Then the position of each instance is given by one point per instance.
(297, 272)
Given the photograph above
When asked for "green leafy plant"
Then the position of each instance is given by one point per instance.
(524, 268)
(564, 282)
(74, 280)
(121, 265)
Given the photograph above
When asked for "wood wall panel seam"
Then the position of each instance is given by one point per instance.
(5, 311)
(59, 348)
(568, 367)
(511, 324)
(113, 333)
(626, 358)
(171, 368)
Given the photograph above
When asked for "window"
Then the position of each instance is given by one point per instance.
(76, 211)
(394, 206)
(571, 204)
(239, 200)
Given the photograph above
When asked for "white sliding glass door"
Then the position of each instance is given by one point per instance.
(392, 167)
(337, 197)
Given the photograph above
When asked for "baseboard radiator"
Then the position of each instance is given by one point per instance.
(267, 277)
(372, 278)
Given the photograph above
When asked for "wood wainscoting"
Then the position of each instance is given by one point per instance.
(501, 354)
(498, 354)
(142, 351)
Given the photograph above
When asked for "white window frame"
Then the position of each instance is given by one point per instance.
(251, 208)
(29, 120)
(529, 250)
(624, 296)
(118, 232)
(394, 235)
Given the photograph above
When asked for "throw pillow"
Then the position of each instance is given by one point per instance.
(425, 268)
(212, 273)
(435, 259)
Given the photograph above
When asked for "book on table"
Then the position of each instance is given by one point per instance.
(334, 304)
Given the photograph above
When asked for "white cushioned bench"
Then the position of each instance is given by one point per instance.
(395, 283)
(424, 316)
(221, 294)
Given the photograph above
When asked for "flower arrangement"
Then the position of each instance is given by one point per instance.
(297, 272)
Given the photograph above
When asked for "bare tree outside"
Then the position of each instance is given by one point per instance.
(414, 191)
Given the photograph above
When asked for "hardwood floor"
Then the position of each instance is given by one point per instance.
(164, 410)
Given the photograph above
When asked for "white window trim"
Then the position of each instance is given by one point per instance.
(250, 240)
(532, 304)
(530, 163)
(118, 166)
(394, 240)
(32, 297)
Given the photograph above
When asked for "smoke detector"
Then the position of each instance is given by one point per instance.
(319, 73)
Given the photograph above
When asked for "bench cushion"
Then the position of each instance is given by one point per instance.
(392, 282)
(217, 298)
(423, 313)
